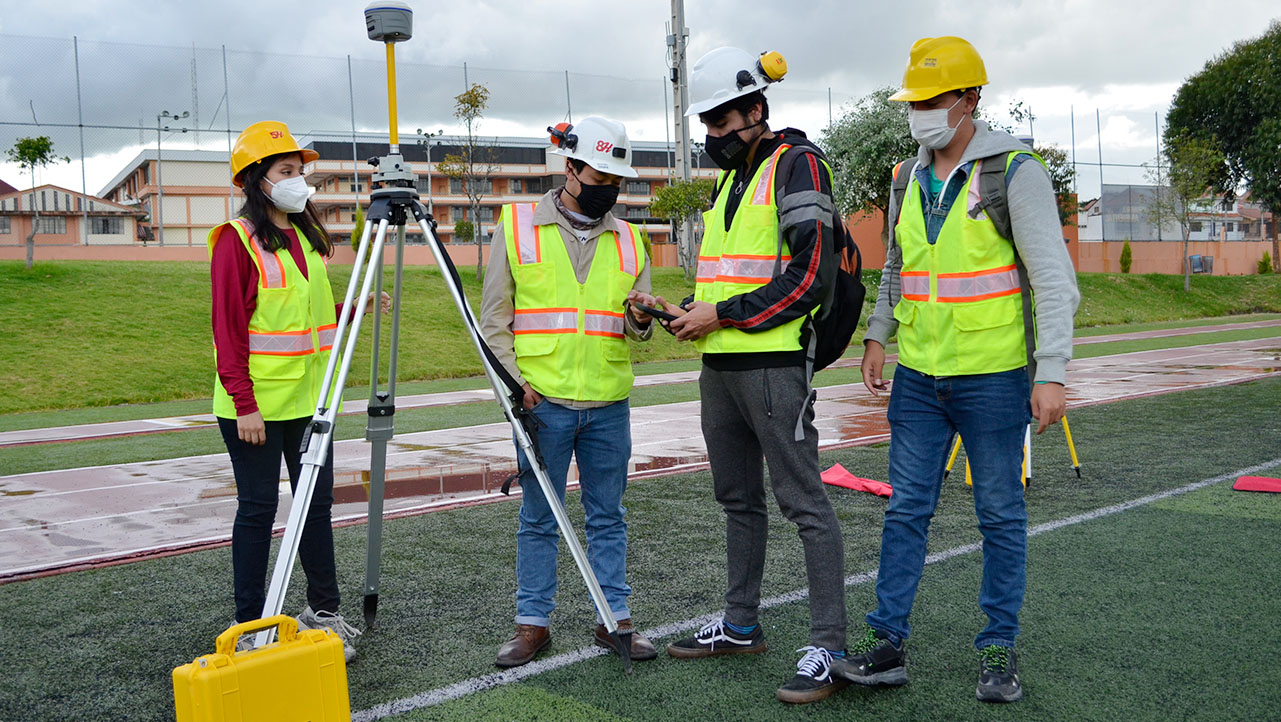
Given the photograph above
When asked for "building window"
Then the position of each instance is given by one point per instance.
(4, 225)
(43, 205)
(1231, 227)
(486, 214)
(514, 186)
(638, 212)
(639, 188)
(457, 213)
(106, 226)
(51, 226)
(1194, 226)
(481, 185)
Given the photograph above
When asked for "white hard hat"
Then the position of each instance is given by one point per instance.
(727, 73)
(598, 142)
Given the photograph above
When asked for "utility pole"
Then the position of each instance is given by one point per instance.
(676, 43)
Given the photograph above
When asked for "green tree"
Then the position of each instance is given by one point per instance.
(1127, 257)
(29, 154)
(358, 228)
(1265, 263)
(1234, 106)
(474, 167)
(679, 201)
(464, 229)
(863, 145)
(1057, 161)
(1188, 167)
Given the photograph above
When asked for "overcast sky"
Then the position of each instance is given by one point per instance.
(288, 61)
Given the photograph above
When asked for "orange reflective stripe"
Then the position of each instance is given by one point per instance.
(326, 336)
(627, 261)
(739, 268)
(273, 271)
(545, 320)
(526, 235)
(603, 323)
(978, 285)
(764, 194)
(287, 343)
(897, 166)
(915, 285)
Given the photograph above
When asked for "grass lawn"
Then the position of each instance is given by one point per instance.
(1165, 611)
(90, 334)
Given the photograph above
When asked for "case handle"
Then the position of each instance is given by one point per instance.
(286, 626)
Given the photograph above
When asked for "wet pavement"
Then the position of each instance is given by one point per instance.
(67, 519)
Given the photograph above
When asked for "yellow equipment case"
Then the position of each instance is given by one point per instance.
(302, 677)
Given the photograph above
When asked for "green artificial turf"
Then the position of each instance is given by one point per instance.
(1162, 612)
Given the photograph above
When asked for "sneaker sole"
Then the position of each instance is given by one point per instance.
(684, 653)
(999, 698)
(892, 678)
(811, 695)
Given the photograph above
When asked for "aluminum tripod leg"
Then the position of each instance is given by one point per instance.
(378, 431)
(622, 641)
(321, 430)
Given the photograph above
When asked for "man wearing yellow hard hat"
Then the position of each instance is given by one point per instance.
(976, 228)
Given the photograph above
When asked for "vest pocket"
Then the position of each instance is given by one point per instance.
(264, 366)
(905, 313)
(615, 350)
(536, 344)
(983, 315)
(989, 335)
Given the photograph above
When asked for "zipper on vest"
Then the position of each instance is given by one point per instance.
(769, 400)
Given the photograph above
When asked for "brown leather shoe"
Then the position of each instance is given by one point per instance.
(642, 648)
(528, 641)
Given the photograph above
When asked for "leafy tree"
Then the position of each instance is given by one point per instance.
(1265, 263)
(1127, 257)
(1234, 106)
(464, 229)
(679, 201)
(474, 167)
(29, 154)
(1190, 167)
(358, 228)
(863, 145)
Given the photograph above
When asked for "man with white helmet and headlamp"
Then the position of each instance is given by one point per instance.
(557, 310)
(766, 262)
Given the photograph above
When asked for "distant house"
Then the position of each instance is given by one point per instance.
(6, 189)
(62, 217)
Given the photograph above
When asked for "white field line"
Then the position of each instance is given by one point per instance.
(533, 669)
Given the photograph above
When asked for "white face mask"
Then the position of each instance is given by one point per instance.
(290, 195)
(930, 128)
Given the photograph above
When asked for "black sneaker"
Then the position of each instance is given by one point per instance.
(716, 639)
(873, 660)
(813, 680)
(998, 675)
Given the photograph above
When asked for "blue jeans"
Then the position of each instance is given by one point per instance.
(991, 412)
(601, 442)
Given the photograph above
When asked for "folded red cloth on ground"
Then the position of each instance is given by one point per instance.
(1258, 483)
(838, 476)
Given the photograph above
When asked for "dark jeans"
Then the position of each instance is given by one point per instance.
(990, 412)
(257, 471)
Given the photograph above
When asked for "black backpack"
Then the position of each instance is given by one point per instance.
(833, 324)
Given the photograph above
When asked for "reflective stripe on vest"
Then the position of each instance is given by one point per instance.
(273, 269)
(527, 250)
(625, 237)
(326, 335)
(603, 323)
(738, 269)
(764, 193)
(288, 343)
(977, 285)
(915, 285)
(545, 320)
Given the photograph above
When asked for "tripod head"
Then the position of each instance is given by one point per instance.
(391, 22)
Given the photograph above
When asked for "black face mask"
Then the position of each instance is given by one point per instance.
(595, 200)
(729, 151)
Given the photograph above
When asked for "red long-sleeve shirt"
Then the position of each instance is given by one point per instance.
(234, 279)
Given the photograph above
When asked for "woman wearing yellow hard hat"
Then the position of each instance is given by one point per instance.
(274, 319)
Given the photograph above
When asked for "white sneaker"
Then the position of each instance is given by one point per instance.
(334, 623)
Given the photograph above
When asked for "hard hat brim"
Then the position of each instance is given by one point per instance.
(911, 96)
(705, 105)
(618, 169)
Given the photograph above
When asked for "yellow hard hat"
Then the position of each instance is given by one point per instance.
(263, 140)
(937, 65)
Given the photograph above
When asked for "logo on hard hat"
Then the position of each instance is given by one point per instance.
(603, 146)
(277, 134)
(930, 63)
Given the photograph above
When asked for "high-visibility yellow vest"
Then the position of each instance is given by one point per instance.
(569, 337)
(960, 312)
(742, 259)
(290, 332)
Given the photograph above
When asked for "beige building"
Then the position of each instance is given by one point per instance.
(197, 192)
(65, 218)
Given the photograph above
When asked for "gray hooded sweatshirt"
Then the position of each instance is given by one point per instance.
(1038, 238)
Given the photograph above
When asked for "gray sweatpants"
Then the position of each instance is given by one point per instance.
(748, 416)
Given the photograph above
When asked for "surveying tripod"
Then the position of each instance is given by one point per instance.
(393, 200)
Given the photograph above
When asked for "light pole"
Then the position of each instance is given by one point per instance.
(427, 143)
(160, 186)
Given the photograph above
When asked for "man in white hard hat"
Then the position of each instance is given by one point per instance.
(557, 311)
(767, 258)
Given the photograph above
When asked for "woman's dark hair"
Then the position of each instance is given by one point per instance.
(743, 104)
(257, 209)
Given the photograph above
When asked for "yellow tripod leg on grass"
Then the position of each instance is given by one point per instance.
(951, 458)
(1067, 432)
(969, 478)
